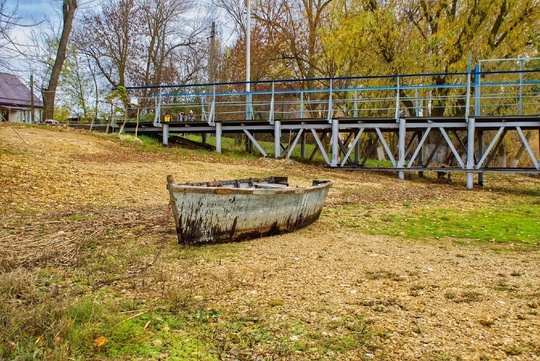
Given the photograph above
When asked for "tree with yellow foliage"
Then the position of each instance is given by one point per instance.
(399, 36)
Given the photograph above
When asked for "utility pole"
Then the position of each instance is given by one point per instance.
(248, 61)
(211, 63)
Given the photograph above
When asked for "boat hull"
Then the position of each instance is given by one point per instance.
(256, 208)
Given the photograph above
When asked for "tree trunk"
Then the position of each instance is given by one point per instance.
(49, 94)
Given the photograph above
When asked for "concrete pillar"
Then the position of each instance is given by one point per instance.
(218, 137)
(277, 138)
(335, 143)
(470, 152)
(402, 133)
(165, 134)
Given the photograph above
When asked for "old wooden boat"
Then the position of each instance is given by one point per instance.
(235, 210)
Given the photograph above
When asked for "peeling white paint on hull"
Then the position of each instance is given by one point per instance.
(227, 211)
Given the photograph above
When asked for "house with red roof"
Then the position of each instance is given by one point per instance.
(17, 103)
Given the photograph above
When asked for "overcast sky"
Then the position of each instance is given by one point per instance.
(31, 12)
(35, 10)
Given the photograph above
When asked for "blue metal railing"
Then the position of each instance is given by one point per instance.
(391, 96)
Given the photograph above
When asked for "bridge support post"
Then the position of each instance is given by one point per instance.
(218, 137)
(165, 134)
(277, 138)
(335, 143)
(470, 152)
(402, 134)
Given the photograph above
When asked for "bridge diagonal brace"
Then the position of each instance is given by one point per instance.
(284, 148)
(321, 146)
(528, 148)
(212, 116)
(352, 146)
(461, 141)
(454, 150)
(386, 147)
(347, 140)
(419, 147)
(254, 141)
(343, 148)
(157, 105)
(433, 153)
(316, 149)
(493, 153)
(369, 152)
(491, 145)
(410, 143)
(295, 141)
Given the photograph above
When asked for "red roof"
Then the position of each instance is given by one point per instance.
(13, 93)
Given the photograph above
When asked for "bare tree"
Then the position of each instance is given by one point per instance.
(175, 41)
(69, 8)
(236, 11)
(111, 38)
(143, 42)
(8, 20)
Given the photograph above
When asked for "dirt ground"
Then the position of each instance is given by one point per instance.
(424, 300)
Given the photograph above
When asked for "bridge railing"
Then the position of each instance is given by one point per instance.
(508, 93)
(414, 95)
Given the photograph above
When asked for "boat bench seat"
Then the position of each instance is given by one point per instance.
(269, 185)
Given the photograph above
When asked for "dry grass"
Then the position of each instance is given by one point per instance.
(85, 217)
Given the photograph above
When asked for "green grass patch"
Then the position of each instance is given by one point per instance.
(342, 335)
(77, 217)
(98, 326)
(93, 328)
(509, 223)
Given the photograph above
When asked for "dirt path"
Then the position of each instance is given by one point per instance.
(421, 300)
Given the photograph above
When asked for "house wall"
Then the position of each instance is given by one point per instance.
(20, 115)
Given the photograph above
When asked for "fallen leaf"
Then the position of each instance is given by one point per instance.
(100, 342)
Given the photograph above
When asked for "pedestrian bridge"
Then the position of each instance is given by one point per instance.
(474, 122)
